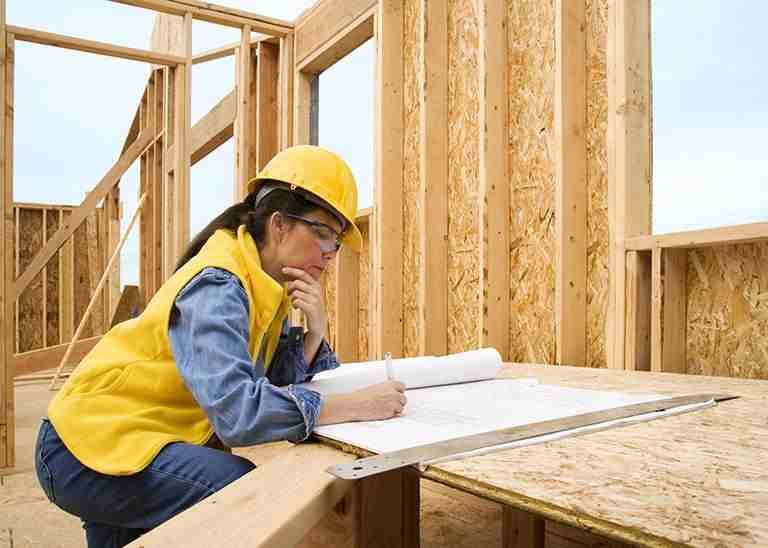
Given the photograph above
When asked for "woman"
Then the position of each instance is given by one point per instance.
(140, 430)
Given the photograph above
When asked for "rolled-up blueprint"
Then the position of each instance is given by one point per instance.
(475, 365)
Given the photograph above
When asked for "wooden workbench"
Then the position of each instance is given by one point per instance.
(697, 479)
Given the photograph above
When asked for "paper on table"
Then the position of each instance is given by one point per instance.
(449, 412)
(474, 365)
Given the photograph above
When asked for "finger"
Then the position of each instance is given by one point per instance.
(306, 297)
(303, 286)
(397, 385)
(297, 274)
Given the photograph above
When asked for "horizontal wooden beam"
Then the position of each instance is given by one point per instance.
(81, 213)
(48, 358)
(322, 25)
(91, 46)
(736, 234)
(214, 13)
(212, 130)
(220, 53)
(341, 44)
(292, 492)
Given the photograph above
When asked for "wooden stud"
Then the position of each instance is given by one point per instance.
(638, 328)
(657, 301)
(81, 213)
(17, 267)
(285, 96)
(674, 270)
(347, 305)
(302, 104)
(571, 184)
(388, 209)
(67, 285)
(521, 529)
(181, 139)
(7, 296)
(243, 120)
(44, 278)
(433, 186)
(494, 186)
(90, 46)
(629, 145)
(156, 199)
(267, 123)
(143, 186)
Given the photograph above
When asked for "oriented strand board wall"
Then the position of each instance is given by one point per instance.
(413, 55)
(30, 334)
(728, 311)
(463, 176)
(329, 285)
(598, 236)
(531, 166)
(364, 294)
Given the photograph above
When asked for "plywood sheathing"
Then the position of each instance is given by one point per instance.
(364, 294)
(329, 292)
(30, 311)
(727, 331)
(463, 176)
(531, 166)
(52, 336)
(413, 55)
(598, 237)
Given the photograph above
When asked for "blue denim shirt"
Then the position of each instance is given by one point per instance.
(209, 339)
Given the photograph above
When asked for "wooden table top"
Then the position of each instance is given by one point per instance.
(699, 478)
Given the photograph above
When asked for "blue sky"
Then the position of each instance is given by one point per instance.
(73, 109)
(710, 113)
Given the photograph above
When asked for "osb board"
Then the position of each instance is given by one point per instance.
(598, 236)
(531, 52)
(82, 281)
(463, 176)
(30, 311)
(364, 295)
(696, 479)
(52, 285)
(329, 290)
(727, 318)
(413, 55)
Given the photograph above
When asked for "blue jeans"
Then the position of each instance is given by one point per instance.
(118, 509)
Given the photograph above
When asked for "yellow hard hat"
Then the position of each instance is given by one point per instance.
(321, 173)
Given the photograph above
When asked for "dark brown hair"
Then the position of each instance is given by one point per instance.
(254, 219)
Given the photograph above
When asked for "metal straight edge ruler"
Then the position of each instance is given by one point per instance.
(424, 453)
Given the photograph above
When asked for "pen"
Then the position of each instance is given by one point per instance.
(388, 365)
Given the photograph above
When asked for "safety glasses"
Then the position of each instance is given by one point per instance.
(328, 238)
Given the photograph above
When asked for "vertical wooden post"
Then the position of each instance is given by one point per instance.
(285, 97)
(66, 285)
(629, 149)
(145, 285)
(156, 199)
(639, 298)
(182, 129)
(387, 510)
(669, 322)
(521, 529)
(7, 426)
(267, 120)
(243, 120)
(433, 185)
(347, 305)
(571, 183)
(494, 179)
(388, 207)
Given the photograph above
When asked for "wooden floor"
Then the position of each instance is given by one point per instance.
(27, 519)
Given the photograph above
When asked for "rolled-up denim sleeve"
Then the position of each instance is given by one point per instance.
(209, 336)
(289, 365)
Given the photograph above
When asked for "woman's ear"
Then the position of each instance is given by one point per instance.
(277, 226)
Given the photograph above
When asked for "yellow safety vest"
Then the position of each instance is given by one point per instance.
(126, 400)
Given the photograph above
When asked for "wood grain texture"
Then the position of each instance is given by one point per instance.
(692, 479)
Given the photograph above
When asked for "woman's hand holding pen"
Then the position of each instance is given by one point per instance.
(377, 402)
